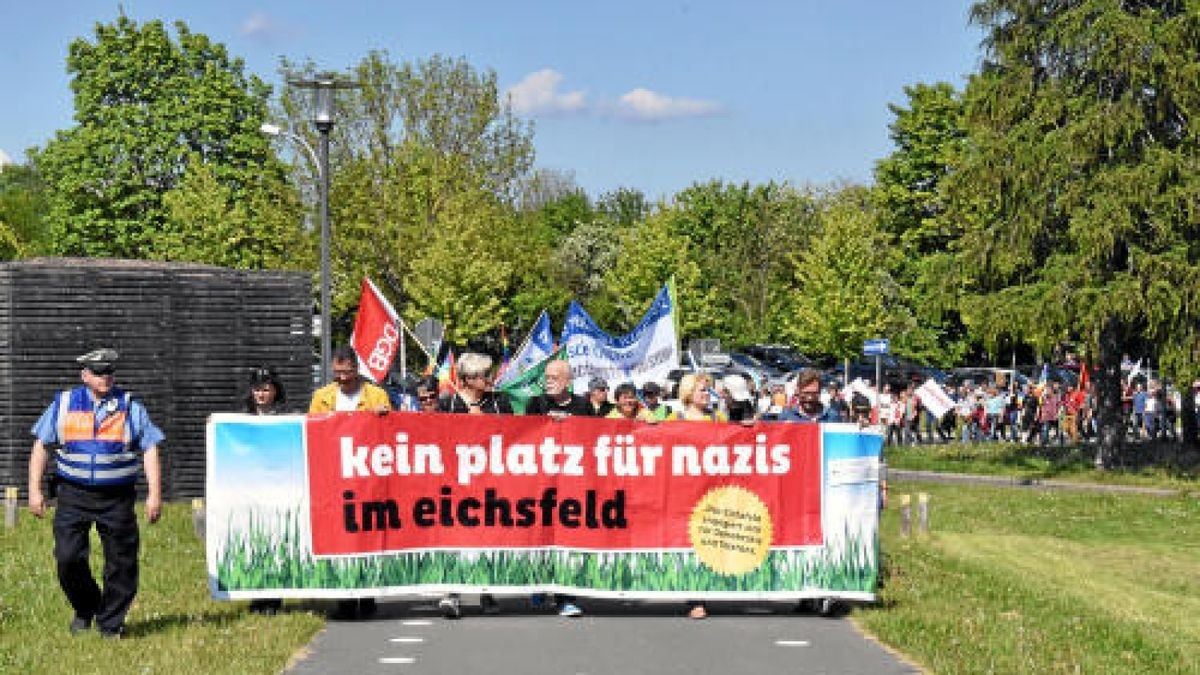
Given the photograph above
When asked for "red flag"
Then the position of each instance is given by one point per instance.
(376, 332)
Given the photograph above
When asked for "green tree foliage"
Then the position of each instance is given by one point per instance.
(413, 150)
(843, 290)
(22, 209)
(651, 252)
(459, 275)
(742, 238)
(147, 105)
(1079, 189)
(929, 137)
(207, 221)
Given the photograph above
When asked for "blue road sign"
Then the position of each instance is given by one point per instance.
(872, 347)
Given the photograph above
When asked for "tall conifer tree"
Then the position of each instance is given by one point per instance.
(1080, 190)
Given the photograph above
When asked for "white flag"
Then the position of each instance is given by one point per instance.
(647, 353)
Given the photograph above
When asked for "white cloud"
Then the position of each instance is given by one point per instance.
(5, 160)
(259, 26)
(538, 94)
(643, 104)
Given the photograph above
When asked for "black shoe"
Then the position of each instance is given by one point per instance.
(367, 607)
(268, 607)
(489, 604)
(347, 610)
(79, 625)
(117, 634)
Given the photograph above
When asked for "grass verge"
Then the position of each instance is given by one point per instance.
(1028, 581)
(1148, 464)
(174, 626)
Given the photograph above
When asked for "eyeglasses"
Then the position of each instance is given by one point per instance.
(102, 370)
(425, 398)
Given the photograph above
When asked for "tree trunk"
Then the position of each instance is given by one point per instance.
(1187, 413)
(1111, 419)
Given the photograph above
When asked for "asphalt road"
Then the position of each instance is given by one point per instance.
(613, 637)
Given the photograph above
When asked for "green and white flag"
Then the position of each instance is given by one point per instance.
(530, 383)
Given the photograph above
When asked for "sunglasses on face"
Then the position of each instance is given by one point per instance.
(102, 370)
(426, 398)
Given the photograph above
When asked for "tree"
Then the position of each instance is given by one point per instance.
(650, 253)
(1079, 187)
(929, 137)
(843, 290)
(147, 106)
(207, 222)
(22, 210)
(457, 276)
(742, 237)
(413, 150)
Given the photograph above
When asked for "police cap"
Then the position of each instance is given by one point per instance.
(100, 361)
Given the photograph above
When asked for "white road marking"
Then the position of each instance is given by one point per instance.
(416, 622)
(792, 643)
(407, 640)
(397, 659)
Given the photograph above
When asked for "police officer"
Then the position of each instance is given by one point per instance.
(102, 431)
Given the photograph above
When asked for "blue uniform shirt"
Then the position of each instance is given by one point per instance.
(147, 435)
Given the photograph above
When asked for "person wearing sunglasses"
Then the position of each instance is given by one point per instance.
(427, 394)
(105, 434)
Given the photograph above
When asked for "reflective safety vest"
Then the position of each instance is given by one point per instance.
(95, 454)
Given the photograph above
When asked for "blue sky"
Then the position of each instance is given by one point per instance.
(649, 95)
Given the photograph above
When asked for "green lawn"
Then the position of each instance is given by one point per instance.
(1027, 581)
(174, 627)
(1159, 465)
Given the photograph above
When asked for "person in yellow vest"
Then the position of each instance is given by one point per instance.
(349, 392)
(105, 434)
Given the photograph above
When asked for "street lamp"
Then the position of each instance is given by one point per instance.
(322, 89)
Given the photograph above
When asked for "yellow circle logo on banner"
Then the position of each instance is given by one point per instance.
(731, 529)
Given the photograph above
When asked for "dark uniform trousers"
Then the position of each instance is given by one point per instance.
(111, 509)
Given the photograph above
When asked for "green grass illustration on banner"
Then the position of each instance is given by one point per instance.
(268, 555)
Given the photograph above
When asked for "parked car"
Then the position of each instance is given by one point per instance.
(1065, 376)
(781, 357)
(895, 371)
(761, 371)
(978, 375)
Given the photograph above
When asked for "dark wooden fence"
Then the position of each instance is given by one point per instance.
(188, 336)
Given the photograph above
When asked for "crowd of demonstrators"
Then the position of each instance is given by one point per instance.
(1044, 414)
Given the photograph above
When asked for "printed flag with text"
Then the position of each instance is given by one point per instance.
(376, 334)
(647, 353)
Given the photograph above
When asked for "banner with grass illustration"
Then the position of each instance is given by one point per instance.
(358, 504)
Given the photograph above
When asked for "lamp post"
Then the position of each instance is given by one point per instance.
(322, 88)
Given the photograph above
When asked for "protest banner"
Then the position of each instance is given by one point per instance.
(934, 398)
(357, 504)
(647, 353)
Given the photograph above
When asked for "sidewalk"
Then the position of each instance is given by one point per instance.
(1013, 481)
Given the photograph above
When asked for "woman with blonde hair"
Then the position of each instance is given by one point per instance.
(696, 397)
